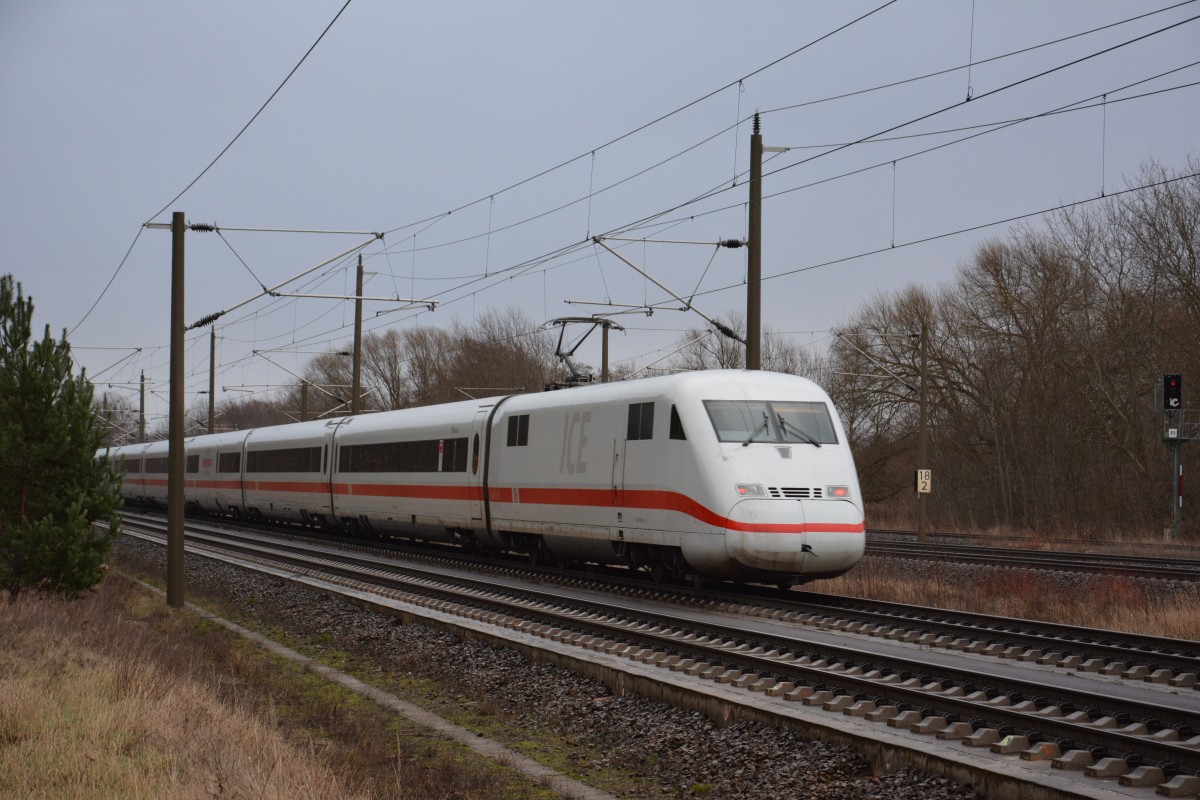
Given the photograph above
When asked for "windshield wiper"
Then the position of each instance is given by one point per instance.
(761, 427)
(784, 425)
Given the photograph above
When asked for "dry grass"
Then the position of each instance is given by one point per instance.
(89, 710)
(114, 696)
(900, 514)
(1112, 603)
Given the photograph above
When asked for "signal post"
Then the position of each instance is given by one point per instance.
(1180, 426)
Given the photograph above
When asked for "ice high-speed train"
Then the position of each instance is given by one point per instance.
(724, 474)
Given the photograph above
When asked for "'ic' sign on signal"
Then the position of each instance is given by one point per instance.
(1172, 392)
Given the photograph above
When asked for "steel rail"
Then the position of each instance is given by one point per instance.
(862, 674)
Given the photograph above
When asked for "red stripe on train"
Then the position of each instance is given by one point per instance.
(628, 499)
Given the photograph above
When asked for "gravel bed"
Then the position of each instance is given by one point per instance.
(682, 751)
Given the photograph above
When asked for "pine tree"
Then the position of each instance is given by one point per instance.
(53, 489)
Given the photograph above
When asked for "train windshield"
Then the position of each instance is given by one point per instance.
(776, 421)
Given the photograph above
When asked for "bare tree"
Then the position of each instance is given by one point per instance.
(709, 349)
(502, 353)
(120, 418)
(427, 351)
(1044, 356)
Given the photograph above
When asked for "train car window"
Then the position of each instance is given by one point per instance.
(518, 430)
(229, 462)
(736, 420)
(193, 463)
(133, 465)
(158, 464)
(290, 459)
(475, 455)
(424, 456)
(676, 426)
(641, 421)
(454, 458)
(805, 422)
(746, 421)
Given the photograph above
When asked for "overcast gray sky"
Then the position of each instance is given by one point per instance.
(406, 111)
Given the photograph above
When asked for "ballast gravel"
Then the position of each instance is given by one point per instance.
(679, 753)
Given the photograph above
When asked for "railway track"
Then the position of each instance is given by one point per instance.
(1123, 565)
(1114, 653)
(804, 658)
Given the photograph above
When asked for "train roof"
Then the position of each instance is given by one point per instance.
(723, 384)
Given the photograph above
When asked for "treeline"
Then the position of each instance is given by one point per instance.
(503, 352)
(1045, 362)
(1045, 359)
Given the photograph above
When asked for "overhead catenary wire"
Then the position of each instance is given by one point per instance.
(1086, 106)
(662, 162)
(948, 70)
(873, 252)
(1181, 4)
(878, 251)
(861, 255)
(211, 318)
(1059, 40)
(737, 124)
(968, 229)
(997, 90)
(261, 108)
(992, 128)
(656, 120)
(721, 188)
(204, 171)
(738, 82)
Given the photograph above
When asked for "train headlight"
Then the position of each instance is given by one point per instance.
(751, 490)
(840, 492)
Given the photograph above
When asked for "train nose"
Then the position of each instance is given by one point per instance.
(766, 535)
(818, 537)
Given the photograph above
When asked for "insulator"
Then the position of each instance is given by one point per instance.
(203, 227)
(210, 319)
(728, 332)
(732, 243)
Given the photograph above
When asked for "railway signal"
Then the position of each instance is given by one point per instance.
(1177, 423)
(1172, 392)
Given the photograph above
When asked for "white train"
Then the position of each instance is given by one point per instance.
(726, 474)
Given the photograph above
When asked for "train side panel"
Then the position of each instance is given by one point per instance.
(413, 472)
(285, 471)
(598, 475)
(216, 487)
(133, 483)
(154, 474)
(630, 472)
